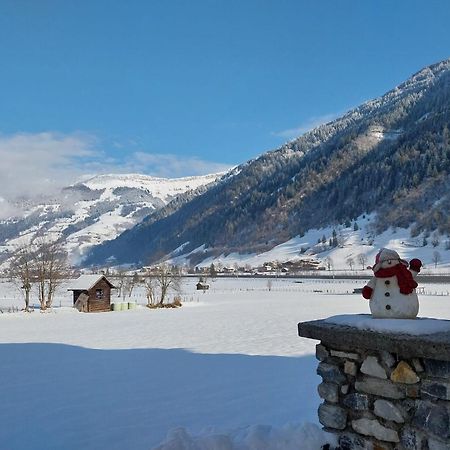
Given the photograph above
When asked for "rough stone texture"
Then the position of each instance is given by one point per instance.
(346, 355)
(331, 373)
(321, 352)
(411, 439)
(418, 367)
(348, 338)
(434, 444)
(435, 389)
(408, 408)
(403, 373)
(373, 428)
(412, 390)
(372, 367)
(350, 368)
(387, 359)
(329, 392)
(332, 416)
(351, 441)
(388, 411)
(437, 368)
(432, 418)
(381, 446)
(356, 401)
(382, 388)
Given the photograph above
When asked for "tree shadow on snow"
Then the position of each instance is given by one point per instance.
(60, 396)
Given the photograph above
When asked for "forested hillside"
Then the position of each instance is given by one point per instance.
(390, 156)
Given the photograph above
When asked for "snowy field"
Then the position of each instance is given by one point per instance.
(225, 371)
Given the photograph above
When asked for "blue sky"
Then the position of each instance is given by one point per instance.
(184, 87)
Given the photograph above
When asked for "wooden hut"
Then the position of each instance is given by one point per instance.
(201, 286)
(92, 293)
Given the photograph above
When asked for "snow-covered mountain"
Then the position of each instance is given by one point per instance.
(95, 210)
(354, 250)
(389, 157)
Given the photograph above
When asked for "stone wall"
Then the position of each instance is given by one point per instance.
(375, 399)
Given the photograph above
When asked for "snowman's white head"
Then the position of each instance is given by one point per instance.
(386, 259)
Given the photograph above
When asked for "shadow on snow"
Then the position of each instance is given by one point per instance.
(61, 396)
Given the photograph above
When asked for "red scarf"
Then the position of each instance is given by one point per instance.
(404, 277)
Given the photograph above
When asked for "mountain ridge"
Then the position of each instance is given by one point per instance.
(387, 151)
(95, 209)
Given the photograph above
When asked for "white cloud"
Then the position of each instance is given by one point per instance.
(41, 163)
(171, 166)
(309, 124)
(7, 210)
(33, 164)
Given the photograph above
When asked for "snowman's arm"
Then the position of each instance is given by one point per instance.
(414, 267)
(368, 288)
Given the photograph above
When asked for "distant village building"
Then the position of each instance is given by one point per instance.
(92, 293)
(201, 286)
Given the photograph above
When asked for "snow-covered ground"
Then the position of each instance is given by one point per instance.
(433, 250)
(225, 371)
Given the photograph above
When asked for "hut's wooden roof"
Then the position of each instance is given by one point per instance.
(86, 282)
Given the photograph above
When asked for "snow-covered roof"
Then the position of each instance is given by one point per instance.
(86, 282)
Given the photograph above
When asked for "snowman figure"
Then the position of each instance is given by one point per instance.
(392, 291)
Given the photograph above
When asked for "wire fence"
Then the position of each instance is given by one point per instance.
(10, 302)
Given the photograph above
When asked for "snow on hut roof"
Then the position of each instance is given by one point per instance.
(86, 282)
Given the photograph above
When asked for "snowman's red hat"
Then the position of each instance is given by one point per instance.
(385, 254)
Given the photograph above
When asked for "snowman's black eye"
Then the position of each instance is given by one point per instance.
(389, 262)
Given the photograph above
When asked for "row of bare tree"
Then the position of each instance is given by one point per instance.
(43, 264)
(157, 282)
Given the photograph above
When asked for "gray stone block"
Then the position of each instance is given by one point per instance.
(321, 352)
(388, 411)
(411, 439)
(382, 388)
(332, 416)
(345, 355)
(372, 367)
(371, 427)
(434, 345)
(351, 441)
(418, 367)
(357, 401)
(331, 373)
(350, 368)
(435, 389)
(387, 358)
(329, 392)
(432, 418)
(434, 444)
(437, 368)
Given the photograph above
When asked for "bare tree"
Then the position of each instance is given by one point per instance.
(167, 278)
(350, 262)
(120, 276)
(128, 283)
(436, 258)
(150, 287)
(329, 263)
(57, 269)
(21, 269)
(50, 268)
(362, 259)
